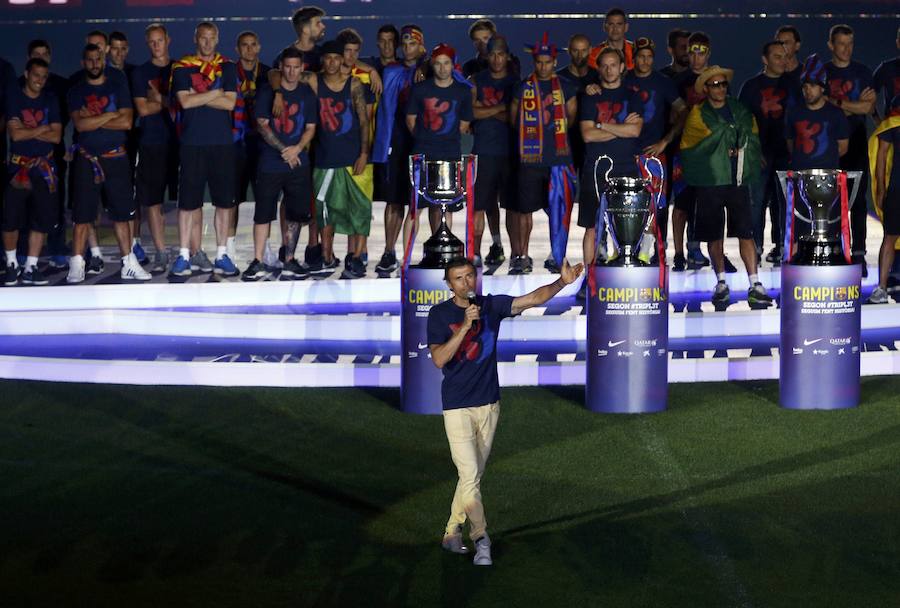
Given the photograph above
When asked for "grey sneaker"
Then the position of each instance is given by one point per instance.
(879, 296)
(454, 543)
(200, 262)
(482, 552)
(160, 262)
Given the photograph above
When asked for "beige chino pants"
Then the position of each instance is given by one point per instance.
(470, 433)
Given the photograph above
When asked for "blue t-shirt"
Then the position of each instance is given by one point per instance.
(815, 135)
(612, 106)
(657, 93)
(155, 129)
(110, 96)
(767, 99)
(203, 125)
(337, 133)
(470, 377)
(299, 111)
(887, 81)
(438, 112)
(549, 157)
(32, 113)
(493, 137)
(847, 84)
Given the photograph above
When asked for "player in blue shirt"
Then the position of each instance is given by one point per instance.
(462, 338)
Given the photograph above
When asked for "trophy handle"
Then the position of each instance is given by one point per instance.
(856, 177)
(606, 175)
(414, 160)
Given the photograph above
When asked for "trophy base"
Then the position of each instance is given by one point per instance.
(819, 253)
(441, 247)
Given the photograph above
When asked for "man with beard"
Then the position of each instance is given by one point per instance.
(205, 87)
(35, 126)
(543, 107)
(766, 95)
(610, 123)
(157, 145)
(677, 47)
(850, 89)
(616, 26)
(491, 96)
(387, 39)
(102, 113)
(284, 167)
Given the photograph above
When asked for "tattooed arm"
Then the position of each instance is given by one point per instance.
(359, 106)
(265, 131)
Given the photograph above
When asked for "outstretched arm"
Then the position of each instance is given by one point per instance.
(567, 275)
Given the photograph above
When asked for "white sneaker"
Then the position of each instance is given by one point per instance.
(879, 296)
(454, 543)
(132, 269)
(483, 552)
(76, 269)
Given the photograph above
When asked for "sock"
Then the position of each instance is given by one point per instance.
(220, 251)
(126, 259)
(496, 239)
(11, 257)
(95, 251)
(185, 253)
(30, 262)
(754, 279)
(720, 276)
(75, 260)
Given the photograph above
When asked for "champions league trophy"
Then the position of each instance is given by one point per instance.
(627, 212)
(820, 192)
(445, 183)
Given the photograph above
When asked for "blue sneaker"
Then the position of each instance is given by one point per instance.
(139, 253)
(58, 262)
(225, 267)
(695, 259)
(181, 267)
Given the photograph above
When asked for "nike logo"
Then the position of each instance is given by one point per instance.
(810, 342)
(613, 344)
(130, 214)
(421, 346)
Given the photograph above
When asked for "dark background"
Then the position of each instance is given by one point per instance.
(738, 29)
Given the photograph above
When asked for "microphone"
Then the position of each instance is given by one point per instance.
(471, 297)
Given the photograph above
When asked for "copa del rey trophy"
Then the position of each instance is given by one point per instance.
(817, 218)
(820, 292)
(449, 185)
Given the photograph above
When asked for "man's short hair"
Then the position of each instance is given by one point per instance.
(482, 24)
(118, 36)
(699, 38)
(790, 29)
(608, 50)
(576, 37)
(246, 33)
(39, 43)
(388, 28)
(616, 11)
(36, 61)
(89, 48)
(292, 52)
(674, 35)
(154, 27)
(302, 16)
(348, 35)
(841, 29)
(769, 46)
(206, 25)
(95, 33)
(457, 262)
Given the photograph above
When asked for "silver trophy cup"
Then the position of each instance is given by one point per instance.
(628, 213)
(441, 183)
(817, 203)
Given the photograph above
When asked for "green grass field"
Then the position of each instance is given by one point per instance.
(124, 496)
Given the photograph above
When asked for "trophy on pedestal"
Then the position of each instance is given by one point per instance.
(443, 183)
(823, 211)
(626, 208)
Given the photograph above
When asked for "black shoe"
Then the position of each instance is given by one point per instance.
(495, 256)
(678, 263)
(334, 263)
(12, 275)
(551, 266)
(527, 264)
(255, 271)
(387, 264)
(758, 298)
(729, 267)
(33, 276)
(721, 297)
(358, 267)
(774, 256)
(515, 265)
(294, 270)
(313, 258)
(95, 265)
